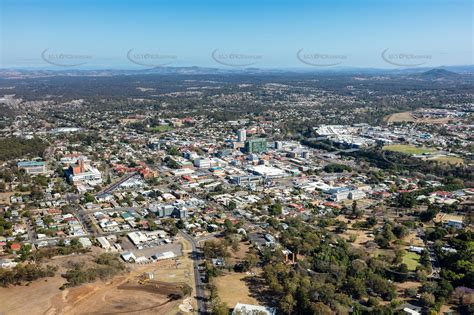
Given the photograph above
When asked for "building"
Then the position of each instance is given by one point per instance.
(163, 256)
(256, 145)
(33, 167)
(249, 309)
(80, 173)
(104, 243)
(208, 163)
(455, 223)
(128, 257)
(241, 135)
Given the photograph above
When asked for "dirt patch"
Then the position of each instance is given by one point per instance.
(121, 295)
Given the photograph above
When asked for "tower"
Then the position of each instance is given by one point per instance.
(241, 135)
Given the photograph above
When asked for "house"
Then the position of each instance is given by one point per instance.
(15, 247)
(410, 309)
(416, 249)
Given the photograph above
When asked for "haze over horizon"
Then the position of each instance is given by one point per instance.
(277, 34)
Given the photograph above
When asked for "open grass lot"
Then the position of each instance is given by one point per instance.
(399, 117)
(233, 289)
(407, 149)
(161, 128)
(411, 260)
(449, 160)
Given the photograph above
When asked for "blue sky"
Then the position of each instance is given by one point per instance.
(260, 33)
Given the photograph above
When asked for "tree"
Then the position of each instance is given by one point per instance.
(402, 273)
(428, 299)
(275, 209)
(232, 205)
(319, 308)
(287, 303)
(88, 197)
(400, 231)
(406, 200)
(251, 259)
(180, 224)
(220, 308)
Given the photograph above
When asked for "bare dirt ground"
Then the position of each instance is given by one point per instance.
(240, 253)
(414, 240)
(123, 294)
(113, 297)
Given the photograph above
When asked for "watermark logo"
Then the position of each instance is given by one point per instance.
(316, 59)
(235, 59)
(152, 60)
(404, 59)
(65, 59)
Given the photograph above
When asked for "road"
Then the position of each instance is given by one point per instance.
(200, 297)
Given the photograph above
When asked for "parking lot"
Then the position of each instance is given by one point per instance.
(151, 248)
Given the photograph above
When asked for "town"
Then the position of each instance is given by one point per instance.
(286, 206)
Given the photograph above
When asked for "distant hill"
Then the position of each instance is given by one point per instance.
(436, 74)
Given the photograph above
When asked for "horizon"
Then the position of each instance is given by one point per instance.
(265, 35)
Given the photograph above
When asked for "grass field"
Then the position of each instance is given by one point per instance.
(399, 117)
(411, 260)
(232, 289)
(407, 149)
(449, 160)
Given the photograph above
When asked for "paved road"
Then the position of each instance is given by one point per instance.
(197, 276)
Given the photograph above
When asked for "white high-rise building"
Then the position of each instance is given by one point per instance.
(241, 135)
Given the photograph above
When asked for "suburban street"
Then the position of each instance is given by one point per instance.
(200, 296)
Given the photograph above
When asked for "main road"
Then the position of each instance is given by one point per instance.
(197, 276)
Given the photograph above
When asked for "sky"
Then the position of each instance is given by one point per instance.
(141, 34)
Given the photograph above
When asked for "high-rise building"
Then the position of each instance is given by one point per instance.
(256, 145)
(241, 135)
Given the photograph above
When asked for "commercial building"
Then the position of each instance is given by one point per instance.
(33, 167)
(256, 145)
(241, 135)
(81, 173)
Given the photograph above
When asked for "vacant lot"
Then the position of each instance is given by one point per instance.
(399, 117)
(233, 289)
(407, 149)
(411, 260)
(121, 295)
